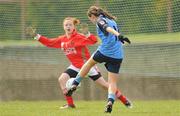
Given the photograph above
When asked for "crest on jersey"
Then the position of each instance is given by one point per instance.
(102, 22)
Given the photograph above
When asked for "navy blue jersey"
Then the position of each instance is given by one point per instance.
(110, 45)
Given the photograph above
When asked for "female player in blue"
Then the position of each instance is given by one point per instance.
(110, 52)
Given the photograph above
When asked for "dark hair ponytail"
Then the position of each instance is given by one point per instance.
(96, 11)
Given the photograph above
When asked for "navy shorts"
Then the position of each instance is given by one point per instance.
(112, 64)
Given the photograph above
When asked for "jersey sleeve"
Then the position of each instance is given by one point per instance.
(82, 40)
(102, 24)
(50, 42)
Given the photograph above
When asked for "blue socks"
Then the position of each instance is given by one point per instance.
(111, 97)
(77, 80)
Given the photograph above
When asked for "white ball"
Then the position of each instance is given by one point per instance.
(69, 83)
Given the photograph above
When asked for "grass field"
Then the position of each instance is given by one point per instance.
(135, 38)
(89, 108)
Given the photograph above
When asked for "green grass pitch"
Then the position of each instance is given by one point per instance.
(89, 108)
(135, 38)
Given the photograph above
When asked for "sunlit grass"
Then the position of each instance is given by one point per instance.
(89, 108)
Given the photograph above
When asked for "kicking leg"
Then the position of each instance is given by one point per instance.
(82, 73)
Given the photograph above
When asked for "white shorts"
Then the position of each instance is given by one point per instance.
(93, 71)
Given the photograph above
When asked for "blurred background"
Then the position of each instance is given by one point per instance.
(30, 71)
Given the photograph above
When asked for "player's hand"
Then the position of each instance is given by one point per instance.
(30, 31)
(124, 39)
(84, 29)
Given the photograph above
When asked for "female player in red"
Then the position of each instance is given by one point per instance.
(74, 46)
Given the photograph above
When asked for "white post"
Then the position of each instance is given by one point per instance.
(169, 16)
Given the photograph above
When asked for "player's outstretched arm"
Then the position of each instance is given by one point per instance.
(121, 38)
(49, 42)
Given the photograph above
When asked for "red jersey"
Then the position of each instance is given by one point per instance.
(75, 47)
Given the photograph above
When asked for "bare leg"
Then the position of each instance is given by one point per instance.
(102, 82)
(112, 80)
(62, 83)
(86, 67)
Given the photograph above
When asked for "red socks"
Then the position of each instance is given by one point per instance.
(118, 94)
(69, 100)
(121, 97)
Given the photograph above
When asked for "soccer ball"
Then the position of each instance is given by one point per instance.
(69, 83)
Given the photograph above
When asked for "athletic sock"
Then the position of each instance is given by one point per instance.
(121, 97)
(77, 80)
(69, 100)
(111, 97)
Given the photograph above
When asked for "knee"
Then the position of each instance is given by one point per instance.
(60, 79)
